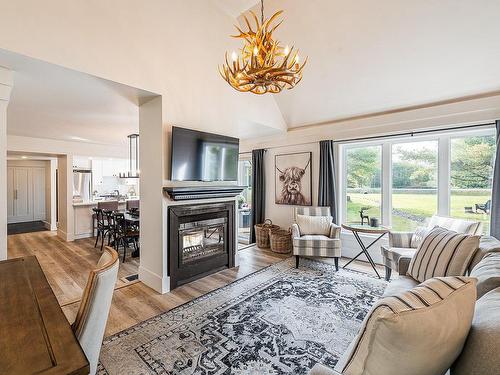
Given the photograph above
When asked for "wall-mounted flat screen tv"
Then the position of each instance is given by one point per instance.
(200, 156)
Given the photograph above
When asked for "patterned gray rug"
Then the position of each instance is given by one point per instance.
(278, 320)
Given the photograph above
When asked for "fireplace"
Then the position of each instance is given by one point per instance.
(201, 240)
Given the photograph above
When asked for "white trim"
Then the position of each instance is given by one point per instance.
(68, 237)
(154, 281)
(386, 177)
(444, 182)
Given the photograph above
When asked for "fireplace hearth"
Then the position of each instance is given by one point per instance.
(201, 240)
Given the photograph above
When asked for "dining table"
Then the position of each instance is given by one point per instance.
(35, 336)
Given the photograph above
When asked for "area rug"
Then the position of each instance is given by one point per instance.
(279, 320)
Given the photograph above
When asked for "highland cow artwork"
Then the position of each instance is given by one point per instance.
(293, 179)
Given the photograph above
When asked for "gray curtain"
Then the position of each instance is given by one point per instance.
(258, 190)
(326, 193)
(495, 193)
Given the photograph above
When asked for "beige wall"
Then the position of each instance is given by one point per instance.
(65, 228)
(6, 82)
(161, 46)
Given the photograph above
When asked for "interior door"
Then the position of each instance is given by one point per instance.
(38, 177)
(10, 194)
(23, 204)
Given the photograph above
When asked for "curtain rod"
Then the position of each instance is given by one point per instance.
(383, 136)
(414, 133)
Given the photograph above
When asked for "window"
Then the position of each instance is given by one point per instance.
(403, 181)
(414, 183)
(364, 193)
(471, 178)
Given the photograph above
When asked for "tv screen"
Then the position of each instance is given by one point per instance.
(200, 156)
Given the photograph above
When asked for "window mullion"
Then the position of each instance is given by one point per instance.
(444, 176)
(386, 183)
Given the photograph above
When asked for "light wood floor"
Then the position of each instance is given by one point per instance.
(67, 264)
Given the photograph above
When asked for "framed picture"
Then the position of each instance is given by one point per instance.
(293, 179)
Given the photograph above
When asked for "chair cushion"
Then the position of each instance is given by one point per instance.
(456, 225)
(400, 285)
(316, 240)
(480, 353)
(314, 224)
(443, 253)
(487, 273)
(392, 255)
(418, 236)
(399, 334)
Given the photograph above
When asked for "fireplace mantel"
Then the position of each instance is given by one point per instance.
(185, 193)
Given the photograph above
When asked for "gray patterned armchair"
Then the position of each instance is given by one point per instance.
(320, 245)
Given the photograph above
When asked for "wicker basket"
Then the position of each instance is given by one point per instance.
(262, 233)
(281, 241)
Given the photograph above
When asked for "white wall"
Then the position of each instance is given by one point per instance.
(6, 83)
(65, 228)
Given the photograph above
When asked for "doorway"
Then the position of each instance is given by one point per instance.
(244, 201)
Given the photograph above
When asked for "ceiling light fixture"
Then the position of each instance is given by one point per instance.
(263, 65)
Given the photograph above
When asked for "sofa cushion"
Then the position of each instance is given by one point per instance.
(443, 253)
(487, 245)
(487, 273)
(399, 334)
(480, 354)
(456, 225)
(314, 224)
(400, 285)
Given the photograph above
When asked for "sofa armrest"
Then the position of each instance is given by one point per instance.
(334, 230)
(403, 265)
(319, 369)
(400, 239)
(295, 231)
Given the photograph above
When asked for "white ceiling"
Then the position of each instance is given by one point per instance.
(364, 57)
(372, 56)
(48, 101)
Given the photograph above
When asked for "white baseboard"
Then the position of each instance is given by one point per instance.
(65, 236)
(154, 281)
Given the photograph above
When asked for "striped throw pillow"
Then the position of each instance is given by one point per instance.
(418, 332)
(443, 253)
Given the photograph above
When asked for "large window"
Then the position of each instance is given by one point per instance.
(414, 183)
(404, 181)
(364, 193)
(471, 175)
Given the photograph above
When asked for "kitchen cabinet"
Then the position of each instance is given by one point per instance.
(107, 168)
(80, 162)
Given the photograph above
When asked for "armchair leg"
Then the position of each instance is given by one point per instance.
(388, 272)
(296, 261)
(336, 263)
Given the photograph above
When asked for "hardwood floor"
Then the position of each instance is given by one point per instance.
(67, 265)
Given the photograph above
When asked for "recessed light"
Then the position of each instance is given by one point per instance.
(24, 157)
(74, 138)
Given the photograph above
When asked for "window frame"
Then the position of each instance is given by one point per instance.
(443, 139)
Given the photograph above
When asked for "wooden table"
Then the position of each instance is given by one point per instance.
(356, 229)
(35, 336)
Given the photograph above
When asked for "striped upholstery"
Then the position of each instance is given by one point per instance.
(393, 255)
(443, 253)
(316, 244)
(400, 239)
(398, 336)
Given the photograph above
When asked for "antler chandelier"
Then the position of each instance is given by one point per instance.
(263, 65)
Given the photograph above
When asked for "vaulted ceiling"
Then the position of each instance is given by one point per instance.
(364, 57)
(373, 56)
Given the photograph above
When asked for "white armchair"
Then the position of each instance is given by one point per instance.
(321, 244)
(403, 245)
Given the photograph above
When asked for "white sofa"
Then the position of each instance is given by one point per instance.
(479, 355)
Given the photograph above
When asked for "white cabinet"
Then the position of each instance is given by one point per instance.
(83, 221)
(25, 194)
(97, 172)
(81, 162)
(108, 168)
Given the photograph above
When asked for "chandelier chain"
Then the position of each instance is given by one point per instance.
(262, 11)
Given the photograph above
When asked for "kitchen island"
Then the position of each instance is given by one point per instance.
(83, 223)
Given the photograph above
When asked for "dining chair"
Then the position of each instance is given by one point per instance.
(108, 205)
(125, 234)
(93, 312)
(133, 204)
(103, 226)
